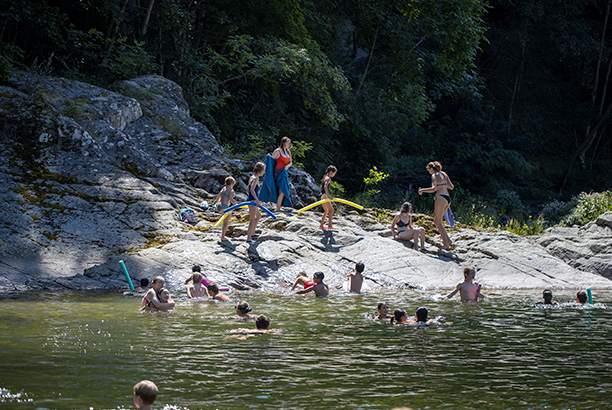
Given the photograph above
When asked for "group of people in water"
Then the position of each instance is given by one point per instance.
(276, 189)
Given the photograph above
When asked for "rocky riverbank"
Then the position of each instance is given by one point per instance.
(90, 176)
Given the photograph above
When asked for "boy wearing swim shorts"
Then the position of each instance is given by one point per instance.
(320, 289)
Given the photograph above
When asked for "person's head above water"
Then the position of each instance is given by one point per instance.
(318, 277)
(547, 295)
(581, 297)
(145, 393)
(262, 322)
(196, 268)
(243, 308)
(158, 282)
(197, 277)
(144, 282)
(383, 309)
(213, 289)
(398, 315)
(421, 314)
(469, 272)
(359, 267)
(164, 295)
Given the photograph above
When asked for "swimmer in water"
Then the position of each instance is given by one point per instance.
(356, 278)
(468, 290)
(151, 299)
(262, 326)
(548, 296)
(383, 311)
(581, 297)
(197, 289)
(420, 317)
(320, 289)
(213, 292)
(302, 279)
(164, 297)
(242, 311)
(145, 393)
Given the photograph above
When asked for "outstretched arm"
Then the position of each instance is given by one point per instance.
(432, 188)
(450, 295)
(301, 291)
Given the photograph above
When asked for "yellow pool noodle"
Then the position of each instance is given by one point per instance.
(220, 221)
(342, 201)
(307, 207)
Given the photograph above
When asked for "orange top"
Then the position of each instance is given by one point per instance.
(282, 161)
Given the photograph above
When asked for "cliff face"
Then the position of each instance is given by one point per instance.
(90, 176)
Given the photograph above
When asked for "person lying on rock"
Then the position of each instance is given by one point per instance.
(320, 289)
(151, 299)
(468, 290)
(213, 292)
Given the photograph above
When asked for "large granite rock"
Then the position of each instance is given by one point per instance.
(90, 176)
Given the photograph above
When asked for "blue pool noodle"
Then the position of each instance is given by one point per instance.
(266, 210)
(590, 296)
(127, 275)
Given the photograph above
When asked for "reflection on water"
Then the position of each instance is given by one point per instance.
(75, 352)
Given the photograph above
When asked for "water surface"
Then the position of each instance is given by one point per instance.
(75, 351)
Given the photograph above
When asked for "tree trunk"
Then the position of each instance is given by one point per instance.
(145, 24)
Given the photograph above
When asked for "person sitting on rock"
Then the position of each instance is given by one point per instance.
(213, 292)
(468, 290)
(197, 289)
(302, 279)
(320, 289)
(151, 299)
(548, 296)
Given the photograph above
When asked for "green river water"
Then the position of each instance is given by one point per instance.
(76, 351)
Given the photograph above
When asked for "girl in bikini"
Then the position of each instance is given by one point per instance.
(440, 184)
(405, 230)
(328, 208)
(224, 199)
(282, 155)
(253, 195)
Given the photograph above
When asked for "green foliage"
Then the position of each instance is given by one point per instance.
(588, 208)
(553, 212)
(6, 69)
(509, 202)
(475, 213)
(298, 151)
(369, 194)
(336, 190)
(526, 228)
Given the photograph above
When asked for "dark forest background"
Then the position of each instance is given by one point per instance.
(510, 96)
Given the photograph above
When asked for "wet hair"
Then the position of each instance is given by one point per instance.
(197, 277)
(581, 296)
(283, 141)
(381, 304)
(359, 267)
(243, 306)
(435, 165)
(318, 275)
(302, 273)
(196, 268)
(469, 270)
(213, 288)
(229, 181)
(405, 208)
(421, 314)
(146, 390)
(262, 322)
(158, 278)
(260, 166)
(547, 294)
(162, 290)
(144, 282)
(398, 314)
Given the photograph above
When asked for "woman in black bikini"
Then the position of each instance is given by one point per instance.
(440, 184)
(405, 230)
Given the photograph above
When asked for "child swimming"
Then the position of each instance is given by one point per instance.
(548, 296)
(152, 299)
(242, 311)
(145, 393)
(320, 289)
(197, 289)
(383, 311)
(356, 278)
(420, 317)
(469, 291)
(303, 280)
(213, 292)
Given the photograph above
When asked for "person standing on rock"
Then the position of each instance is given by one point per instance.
(253, 195)
(224, 199)
(328, 208)
(284, 161)
(405, 230)
(440, 184)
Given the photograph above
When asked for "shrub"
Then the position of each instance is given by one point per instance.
(553, 212)
(509, 202)
(588, 208)
(530, 227)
